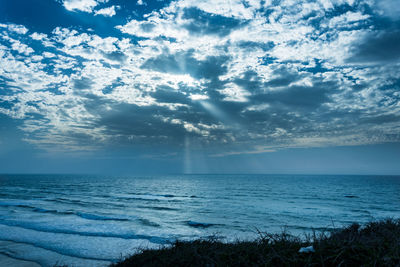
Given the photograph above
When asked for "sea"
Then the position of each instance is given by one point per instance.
(88, 220)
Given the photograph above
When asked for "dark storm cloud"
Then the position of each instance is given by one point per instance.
(249, 45)
(130, 124)
(281, 77)
(147, 27)
(116, 56)
(127, 120)
(285, 77)
(165, 94)
(279, 92)
(135, 125)
(204, 23)
(83, 83)
(185, 63)
(303, 97)
(380, 119)
(250, 81)
(134, 120)
(268, 120)
(377, 47)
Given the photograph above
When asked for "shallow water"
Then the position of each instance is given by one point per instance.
(94, 220)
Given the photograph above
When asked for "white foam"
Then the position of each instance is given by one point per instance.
(87, 247)
(32, 256)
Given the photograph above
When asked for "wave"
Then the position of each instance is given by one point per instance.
(84, 215)
(361, 211)
(19, 205)
(319, 229)
(96, 217)
(152, 197)
(42, 228)
(13, 256)
(48, 247)
(81, 203)
(171, 196)
(66, 200)
(148, 222)
(199, 224)
(40, 210)
(136, 198)
(88, 216)
(157, 208)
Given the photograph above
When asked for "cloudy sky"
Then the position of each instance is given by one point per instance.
(272, 86)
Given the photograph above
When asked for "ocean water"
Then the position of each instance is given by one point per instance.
(95, 220)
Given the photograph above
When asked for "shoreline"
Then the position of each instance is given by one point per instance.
(10, 261)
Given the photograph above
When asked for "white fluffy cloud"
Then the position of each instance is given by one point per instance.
(82, 5)
(20, 29)
(107, 12)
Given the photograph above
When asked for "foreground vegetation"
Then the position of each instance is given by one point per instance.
(375, 244)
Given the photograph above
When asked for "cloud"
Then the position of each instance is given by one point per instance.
(184, 63)
(82, 5)
(235, 93)
(233, 77)
(38, 36)
(21, 48)
(377, 47)
(308, 97)
(107, 12)
(388, 8)
(348, 19)
(201, 23)
(20, 29)
(116, 56)
(198, 97)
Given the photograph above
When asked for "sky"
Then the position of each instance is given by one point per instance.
(195, 86)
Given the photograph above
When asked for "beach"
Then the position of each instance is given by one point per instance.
(81, 220)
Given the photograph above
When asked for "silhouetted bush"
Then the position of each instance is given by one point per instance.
(375, 244)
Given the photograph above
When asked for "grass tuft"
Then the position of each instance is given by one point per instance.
(375, 244)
